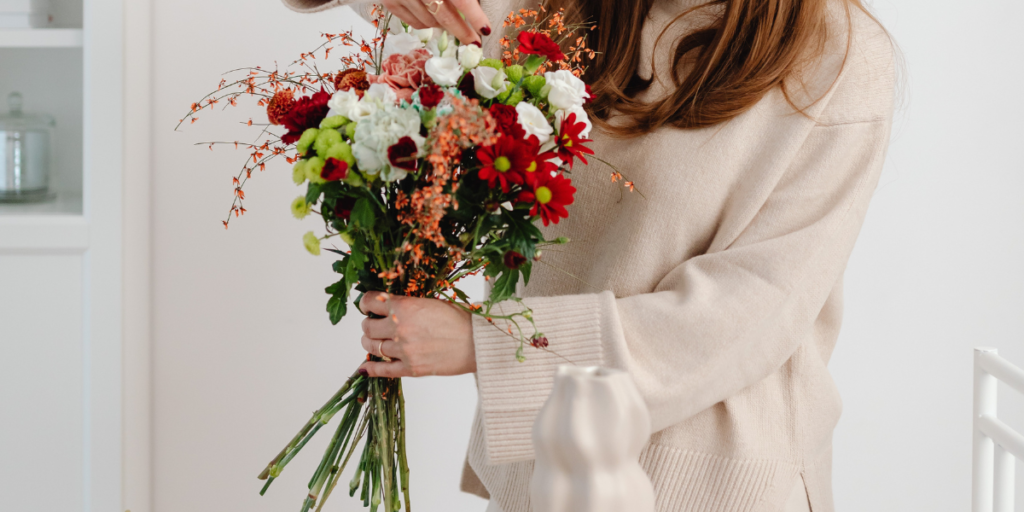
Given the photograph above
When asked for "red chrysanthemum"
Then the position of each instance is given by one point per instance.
(280, 105)
(549, 195)
(402, 154)
(590, 95)
(503, 162)
(334, 170)
(539, 44)
(507, 120)
(539, 163)
(307, 113)
(570, 143)
(352, 79)
(431, 95)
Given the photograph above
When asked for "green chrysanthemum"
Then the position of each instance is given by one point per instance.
(312, 243)
(300, 208)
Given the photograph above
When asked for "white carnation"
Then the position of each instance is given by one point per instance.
(444, 70)
(564, 90)
(470, 55)
(381, 94)
(401, 43)
(346, 103)
(489, 82)
(533, 122)
(379, 131)
(581, 117)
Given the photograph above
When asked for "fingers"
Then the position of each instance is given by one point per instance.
(449, 19)
(400, 10)
(474, 16)
(391, 349)
(418, 9)
(376, 303)
(392, 370)
(380, 328)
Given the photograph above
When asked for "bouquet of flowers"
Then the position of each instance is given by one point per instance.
(428, 163)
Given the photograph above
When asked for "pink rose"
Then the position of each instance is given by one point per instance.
(403, 72)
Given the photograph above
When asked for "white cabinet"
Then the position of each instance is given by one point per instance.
(61, 281)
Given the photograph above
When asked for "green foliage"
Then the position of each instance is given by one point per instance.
(363, 214)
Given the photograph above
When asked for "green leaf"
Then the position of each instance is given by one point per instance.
(505, 286)
(313, 192)
(337, 307)
(526, 269)
(362, 214)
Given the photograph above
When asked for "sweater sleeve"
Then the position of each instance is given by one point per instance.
(361, 7)
(715, 324)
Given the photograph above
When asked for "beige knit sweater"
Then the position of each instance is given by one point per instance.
(720, 291)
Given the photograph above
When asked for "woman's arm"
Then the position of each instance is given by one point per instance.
(446, 14)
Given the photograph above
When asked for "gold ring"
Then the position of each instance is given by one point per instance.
(380, 350)
(433, 7)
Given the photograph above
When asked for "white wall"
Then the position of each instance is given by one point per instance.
(243, 352)
(939, 267)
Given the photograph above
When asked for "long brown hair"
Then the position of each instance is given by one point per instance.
(750, 48)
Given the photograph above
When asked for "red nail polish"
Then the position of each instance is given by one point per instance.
(477, 43)
(363, 372)
(486, 31)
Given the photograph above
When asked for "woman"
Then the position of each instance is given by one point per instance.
(756, 131)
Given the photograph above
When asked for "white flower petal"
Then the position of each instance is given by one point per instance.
(444, 70)
(533, 121)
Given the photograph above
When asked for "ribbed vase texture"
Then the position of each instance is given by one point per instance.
(587, 440)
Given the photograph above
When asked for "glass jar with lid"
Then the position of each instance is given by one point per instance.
(25, 153)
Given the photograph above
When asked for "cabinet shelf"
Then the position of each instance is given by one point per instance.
(54, 225)
(41, 38)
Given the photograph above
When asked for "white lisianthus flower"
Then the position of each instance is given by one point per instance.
(440, 45)
(346, 103)
(470, 55)
(489, 82)
(381, 130)
(401, 43)
(423, 35)
(444, 70)
(381, 94)
(564, 90)
(581, 117)
(533, 121)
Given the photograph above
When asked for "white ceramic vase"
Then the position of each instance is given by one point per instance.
(587, 440)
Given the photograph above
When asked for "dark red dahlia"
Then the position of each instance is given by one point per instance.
(334, 170)
(514, 260)
(431, 95)
(549, 196)
(507, 120)
(570, 143)
(539, 44)
(402, 154)
(343, 208)
(307, 113)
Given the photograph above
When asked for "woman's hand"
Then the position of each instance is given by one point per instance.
(421, 14)
(421, 336)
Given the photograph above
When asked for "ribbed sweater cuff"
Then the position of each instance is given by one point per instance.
(512, 393)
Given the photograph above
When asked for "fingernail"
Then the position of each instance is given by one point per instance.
(486, 31)
(477, 43)
(363, 372)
